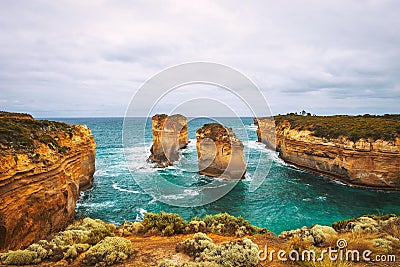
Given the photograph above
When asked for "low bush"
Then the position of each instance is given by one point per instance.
(109, 251)
(167, 223)
(20, 257)
(68, 244)
(225, 224)
(170, 224)
(230, 254)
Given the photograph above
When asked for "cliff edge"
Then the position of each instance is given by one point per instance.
(44, 165)
(357, 150)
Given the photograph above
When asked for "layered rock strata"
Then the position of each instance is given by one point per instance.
(220, 152)
(44, 166)
(364, 163)
(170, 133)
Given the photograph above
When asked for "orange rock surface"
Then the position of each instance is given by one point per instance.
(39, 185)
(365, 163)
(170, 133)
(220, 152)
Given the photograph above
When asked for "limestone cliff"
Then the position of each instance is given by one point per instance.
(364, 162)
(44, 166)
(220, 152)
(170, 133)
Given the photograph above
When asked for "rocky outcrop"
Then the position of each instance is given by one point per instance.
(170, 133)
(220, 152)
(365, 162)
(44, 166)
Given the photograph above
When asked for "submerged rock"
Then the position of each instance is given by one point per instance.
(220, 152)
(169, 135)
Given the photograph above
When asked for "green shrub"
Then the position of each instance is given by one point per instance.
(20, 257)
(21, 133)
(226, 224)
(109, 251)
(195, 226)
(68, 244)
(241, 253)
(129, 228)
(167, 223)
(196, 245)
(343, 225)
(385, 127)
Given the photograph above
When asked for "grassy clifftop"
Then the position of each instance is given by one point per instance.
(385, 127)
(20, 132)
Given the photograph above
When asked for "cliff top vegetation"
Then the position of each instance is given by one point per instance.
(386, 127)
(20, 132)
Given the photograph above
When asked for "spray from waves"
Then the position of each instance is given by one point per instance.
(116, 187)
(106, 204)
(140, 215)
(187, 193)
(136, 158)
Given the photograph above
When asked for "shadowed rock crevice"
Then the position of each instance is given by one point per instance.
(220, 152)
(170, 133)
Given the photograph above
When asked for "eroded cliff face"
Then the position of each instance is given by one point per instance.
(43, 168)
(220, 152)
(365, 163)
(170, 133)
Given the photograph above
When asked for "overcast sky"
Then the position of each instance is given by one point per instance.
(88, 58)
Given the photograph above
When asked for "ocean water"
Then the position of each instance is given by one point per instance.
(288, 198)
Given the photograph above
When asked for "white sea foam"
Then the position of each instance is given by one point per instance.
(191, 192)
(137, 159)
(140, 216)
(116, 187)
(105, 204)
(339, 182)
(152, 201)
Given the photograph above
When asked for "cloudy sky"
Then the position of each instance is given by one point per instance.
(88, 58)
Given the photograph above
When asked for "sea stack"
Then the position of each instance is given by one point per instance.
(220, 152)
(44, 165)
(170, 133)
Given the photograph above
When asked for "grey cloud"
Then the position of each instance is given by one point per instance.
(84, 58)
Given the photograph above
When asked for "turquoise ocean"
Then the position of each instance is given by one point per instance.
(288, 198)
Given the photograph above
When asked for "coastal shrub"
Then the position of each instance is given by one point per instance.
(109, 251)
(19, 133)
(316, 235)
(231, 254)
(69, 244)
(225, 224)
(196, 245)
(354, 127)
(167, 223)
(195, 226)
(170, 224)
(20, 257)
(366, 223)
(129, 228)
